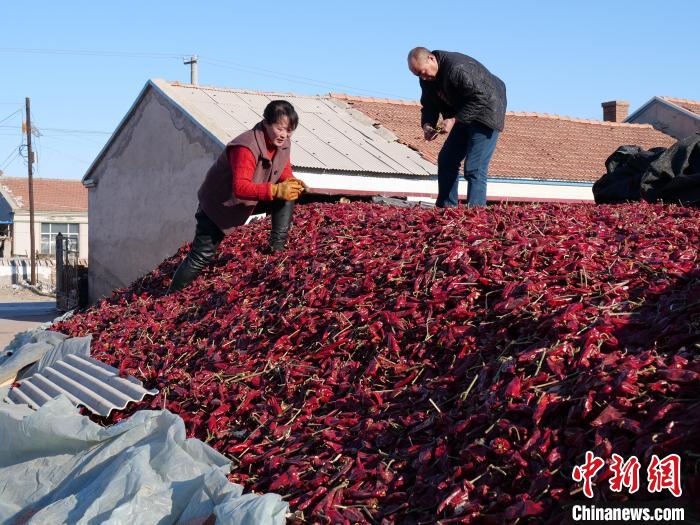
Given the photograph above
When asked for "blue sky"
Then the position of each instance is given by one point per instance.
(555, 57)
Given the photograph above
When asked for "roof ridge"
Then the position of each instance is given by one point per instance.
(353, 98)
(5, 177)
(574, 119)
(682, 100)
(356, 98)
(176, 83)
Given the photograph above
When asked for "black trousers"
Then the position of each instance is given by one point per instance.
(208, 236)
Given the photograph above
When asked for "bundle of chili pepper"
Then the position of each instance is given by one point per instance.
(422, 365)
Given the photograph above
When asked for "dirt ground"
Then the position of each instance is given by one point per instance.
(11, 294)
(22, 309)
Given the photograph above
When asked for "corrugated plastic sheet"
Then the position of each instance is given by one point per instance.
(328, 136)
(86, 381)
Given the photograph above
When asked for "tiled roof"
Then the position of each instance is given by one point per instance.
(50, 195)
(690, 105)
(532, 145)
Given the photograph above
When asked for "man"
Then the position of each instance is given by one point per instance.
(472, 102)
(253, 173)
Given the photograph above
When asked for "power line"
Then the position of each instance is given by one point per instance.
(9, 160)
(73, 131)
(10, 116)
(285, 76)
(13, 152)
(65, 154)
(84, 52)
(73, 139)
(64, 130)
(227, 64)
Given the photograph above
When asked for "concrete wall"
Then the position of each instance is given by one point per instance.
(426, 188)
(142, 207)
(668, 120)
(21, 241)
(15, 270)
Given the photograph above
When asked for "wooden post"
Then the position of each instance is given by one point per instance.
(30, 163)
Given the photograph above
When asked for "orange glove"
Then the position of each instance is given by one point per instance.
(289, 190)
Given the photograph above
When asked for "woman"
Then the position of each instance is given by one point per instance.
(253, 173)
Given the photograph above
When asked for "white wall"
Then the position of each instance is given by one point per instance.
(14, 271)
(21, 242)
(426, 188)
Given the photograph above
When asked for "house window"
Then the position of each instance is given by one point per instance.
(51, 229)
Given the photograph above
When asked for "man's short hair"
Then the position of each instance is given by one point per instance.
(277, 109)
(419, 54)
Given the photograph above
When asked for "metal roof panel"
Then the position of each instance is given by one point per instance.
(328, 137)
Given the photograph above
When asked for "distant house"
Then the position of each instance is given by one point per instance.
(539, 157)
(673, 116)
(59, 206)
(143, 184)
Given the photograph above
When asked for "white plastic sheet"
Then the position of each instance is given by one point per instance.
(27, 348)
(31, 346)
(57, 466)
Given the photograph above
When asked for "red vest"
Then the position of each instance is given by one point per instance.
(216, 192)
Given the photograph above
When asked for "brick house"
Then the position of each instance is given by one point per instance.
(59, 206)
(674, 116)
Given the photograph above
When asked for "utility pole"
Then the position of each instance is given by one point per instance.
(30, 155)
(192, 62)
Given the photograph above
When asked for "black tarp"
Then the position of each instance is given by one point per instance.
(657, 175)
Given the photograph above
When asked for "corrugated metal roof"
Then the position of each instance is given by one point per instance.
(328, 136)
(86, 381)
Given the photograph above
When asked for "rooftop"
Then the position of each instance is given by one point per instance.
(50, 195)
(328, 137)
(532, 145)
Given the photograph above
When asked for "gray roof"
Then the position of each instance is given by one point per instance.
(330, 136)
(86, 381)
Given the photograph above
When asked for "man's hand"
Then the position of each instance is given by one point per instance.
(289, 190)
(429, 132)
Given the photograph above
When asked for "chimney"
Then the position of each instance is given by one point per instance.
(615, 110)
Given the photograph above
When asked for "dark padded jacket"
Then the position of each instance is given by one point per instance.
(464, 89)
(216, 196)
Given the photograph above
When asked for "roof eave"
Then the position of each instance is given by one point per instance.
(9, 198)
(665, 102)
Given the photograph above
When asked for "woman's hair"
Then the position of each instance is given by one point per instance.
(277, 109)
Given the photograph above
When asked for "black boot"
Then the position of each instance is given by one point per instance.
(207, 238)
(281, 221)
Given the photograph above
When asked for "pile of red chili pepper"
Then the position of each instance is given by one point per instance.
(420, 365)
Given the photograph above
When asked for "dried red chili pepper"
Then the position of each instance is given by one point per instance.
(458, 358)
